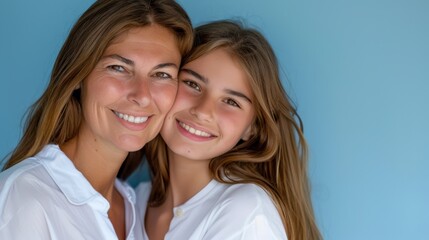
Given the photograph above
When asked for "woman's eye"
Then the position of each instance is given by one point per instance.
(116, 68)
(162, 75)
(192, 84)
(231, 102)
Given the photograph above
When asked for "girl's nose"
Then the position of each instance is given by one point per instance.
(204, 109)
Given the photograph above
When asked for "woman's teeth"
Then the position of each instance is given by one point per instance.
(194, 131)
(132, 119)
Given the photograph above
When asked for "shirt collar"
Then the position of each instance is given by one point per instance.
(201, 196)
(71, 181)
(126, 191)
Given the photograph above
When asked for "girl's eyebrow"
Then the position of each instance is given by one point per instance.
(195, 74)
(238, 94)
(205, 80)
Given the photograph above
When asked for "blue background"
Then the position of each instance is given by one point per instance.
(358, 71)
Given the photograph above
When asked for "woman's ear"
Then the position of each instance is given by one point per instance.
(247, 133)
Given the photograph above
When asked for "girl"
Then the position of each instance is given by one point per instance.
(232, 160)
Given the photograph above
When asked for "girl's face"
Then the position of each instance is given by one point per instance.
(133, 86)
(213, 109)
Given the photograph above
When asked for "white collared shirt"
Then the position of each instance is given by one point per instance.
(46, 197)
(221, 211)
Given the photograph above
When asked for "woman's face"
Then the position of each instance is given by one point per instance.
(213, 109)
(127, 95)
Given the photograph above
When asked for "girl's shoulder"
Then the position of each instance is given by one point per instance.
(247, 212)
(246, 195)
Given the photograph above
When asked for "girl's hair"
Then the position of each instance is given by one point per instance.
(275, 156)
(57, 115)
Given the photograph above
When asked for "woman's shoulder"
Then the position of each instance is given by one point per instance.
(21, 175)
(28, 180)
(24, 186)
(27, 172)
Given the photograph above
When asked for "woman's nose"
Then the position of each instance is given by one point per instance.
(140, 92)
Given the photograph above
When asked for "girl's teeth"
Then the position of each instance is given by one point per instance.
(132, 119)
(194, 131)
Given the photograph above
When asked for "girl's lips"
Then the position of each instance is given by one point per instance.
(193, 131)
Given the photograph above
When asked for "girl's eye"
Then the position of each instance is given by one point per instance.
(116, 68)
(231, 102)
(162, 75)
(192, 84)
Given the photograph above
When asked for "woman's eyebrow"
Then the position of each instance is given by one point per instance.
(163, 65)
(195, 74)
(131, 62)
(120, 58)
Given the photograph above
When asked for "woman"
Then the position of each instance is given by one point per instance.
(231, 163)
(112, 84)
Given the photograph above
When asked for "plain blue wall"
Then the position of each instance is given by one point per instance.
(358, 70)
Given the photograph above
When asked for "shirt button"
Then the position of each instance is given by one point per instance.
(179, 212)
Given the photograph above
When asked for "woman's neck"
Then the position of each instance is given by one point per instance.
(99, 165)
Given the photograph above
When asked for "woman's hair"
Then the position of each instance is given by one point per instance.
(275, 156)
(57, 115)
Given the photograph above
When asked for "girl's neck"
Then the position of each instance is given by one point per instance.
(187, 178)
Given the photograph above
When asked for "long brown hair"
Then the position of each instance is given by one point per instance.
(56, 116)
(275, 156)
